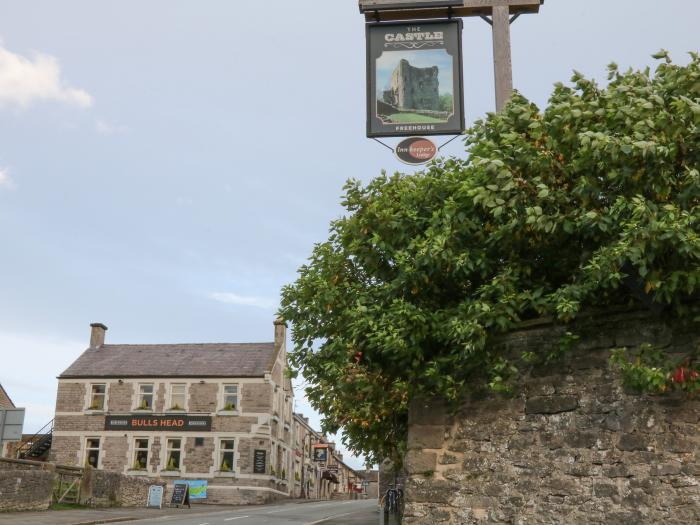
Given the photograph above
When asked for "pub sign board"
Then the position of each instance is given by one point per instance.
(260, 462)
(155, 423)
(320, 453)
(414, 79)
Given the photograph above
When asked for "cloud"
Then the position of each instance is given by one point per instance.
(105, 128)
(6, 182)
(244, 300)
(25, 81)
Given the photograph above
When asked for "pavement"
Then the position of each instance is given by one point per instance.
(362, 512)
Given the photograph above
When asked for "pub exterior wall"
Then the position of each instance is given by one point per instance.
(252, 425)
(572, 446)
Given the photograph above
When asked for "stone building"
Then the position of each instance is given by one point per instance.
(215, 412)
(319, 470)
(307, 472)
(414, 87)
(5, 401)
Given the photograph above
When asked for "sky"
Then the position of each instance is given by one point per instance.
(166, 166)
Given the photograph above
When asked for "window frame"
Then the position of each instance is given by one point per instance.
(91, 396)
(171, 407)
(222, 399)
(136, 450)
(168, 450)
(88, 450)
(139, 397)
(221, 452)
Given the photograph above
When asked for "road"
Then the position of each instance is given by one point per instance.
(362, 512)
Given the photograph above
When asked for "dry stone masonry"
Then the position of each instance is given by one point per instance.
(571, 447)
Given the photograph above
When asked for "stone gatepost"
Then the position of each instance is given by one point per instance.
(570, 447)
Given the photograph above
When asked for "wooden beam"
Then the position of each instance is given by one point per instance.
(502, 61)
(415, 10)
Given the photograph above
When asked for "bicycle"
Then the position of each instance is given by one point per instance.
(392, 503)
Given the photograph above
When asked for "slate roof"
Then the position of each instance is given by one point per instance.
(181, 360)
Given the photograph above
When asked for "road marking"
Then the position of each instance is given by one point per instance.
(328, 518)
(236, 518)
(203, 524)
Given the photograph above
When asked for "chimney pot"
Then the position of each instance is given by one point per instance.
(97, 336)
(280, 333)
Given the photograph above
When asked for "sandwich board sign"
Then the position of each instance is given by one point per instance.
(181, 495)
(155, 497)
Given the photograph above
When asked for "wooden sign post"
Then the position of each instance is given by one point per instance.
(502, 13)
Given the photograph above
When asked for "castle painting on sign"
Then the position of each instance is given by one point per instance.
(414, 76)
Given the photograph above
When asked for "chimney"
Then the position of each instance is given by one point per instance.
(280, 333)
(97, 336)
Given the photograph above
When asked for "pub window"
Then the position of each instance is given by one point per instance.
(97, 397)
(145, 397)
(226, 450)
(230, 401)
(177, 396)
(140, 453)
(173, 454)
(92, 452)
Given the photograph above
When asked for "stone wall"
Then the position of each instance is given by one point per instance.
(572, 446)
(108, 489)
(25, 485)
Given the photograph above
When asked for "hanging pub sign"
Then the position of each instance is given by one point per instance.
(414, 79)
(321, 453)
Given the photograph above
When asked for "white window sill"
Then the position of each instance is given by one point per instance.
(170, 473)
(137, 472)
(94, 411)
(224, 474)
(176, 411)
(142, 410)
(228, 413)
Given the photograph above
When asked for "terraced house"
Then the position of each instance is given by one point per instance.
(215, 412)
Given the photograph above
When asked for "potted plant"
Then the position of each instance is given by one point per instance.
(229, 407)
(171, 465)
(225, 467)
(144, 405)
(176, 407)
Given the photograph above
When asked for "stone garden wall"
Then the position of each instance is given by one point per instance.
(28, 485)
(571, 447)
(25, 485)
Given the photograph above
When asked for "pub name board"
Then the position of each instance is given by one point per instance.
(152, 423)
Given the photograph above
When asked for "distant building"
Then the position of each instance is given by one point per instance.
(5, 401)
(215, 412)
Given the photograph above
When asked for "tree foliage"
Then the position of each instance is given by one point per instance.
(593, 202)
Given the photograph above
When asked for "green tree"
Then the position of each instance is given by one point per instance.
(446, 102)
(593, 202)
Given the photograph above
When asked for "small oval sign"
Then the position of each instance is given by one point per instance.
(416, 150)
